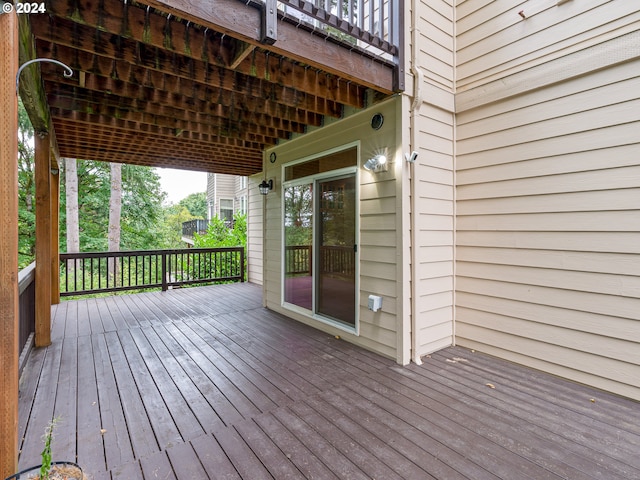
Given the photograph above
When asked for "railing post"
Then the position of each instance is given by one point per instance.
(241, 264)
(165, 286)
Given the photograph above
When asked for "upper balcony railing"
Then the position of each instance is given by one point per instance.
(191, 227)
(377, 23)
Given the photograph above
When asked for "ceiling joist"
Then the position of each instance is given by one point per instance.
(186, 83)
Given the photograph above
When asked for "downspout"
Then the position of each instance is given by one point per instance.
(418, 77)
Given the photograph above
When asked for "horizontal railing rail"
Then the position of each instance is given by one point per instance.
(373, 22)
(26, 307)
(97, 272)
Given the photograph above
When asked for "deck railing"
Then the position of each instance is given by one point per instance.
(191, 227)
(27, 307)
(298, 260)
(374, 22)
(88, 273)
(334, 260)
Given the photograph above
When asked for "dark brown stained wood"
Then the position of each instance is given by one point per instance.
(126, 60)
(55, 233)
(66, 401)
(118, 449)
(43, 248)
(143, 441)
(90, 435)
(320, 448)
(158, 466)
(153, 73)
(206, 383)
(274, 459)
(243, 459)
(9, 294)
(213, 458)
(371, 465)
(302, 458)
(230, 18)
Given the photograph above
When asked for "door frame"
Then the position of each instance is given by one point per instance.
(314, 179)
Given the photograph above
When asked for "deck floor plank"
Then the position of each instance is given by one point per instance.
(206, 383)
(169, 395)
(229, 393)
(576, 428)
(167, 432)
(434, 457)
(90, 437)
(294, 449)
(276, 462)
(43, 406)
(350, 447)
(278, 388)
(246, 463)
(118, 448)
(143, 440)
(214, 459)
(515, 423)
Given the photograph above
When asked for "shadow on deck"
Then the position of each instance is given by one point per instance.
(206, 383)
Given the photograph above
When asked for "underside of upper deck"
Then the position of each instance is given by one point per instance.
(198, 85)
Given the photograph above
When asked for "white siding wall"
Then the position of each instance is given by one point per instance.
(433, 176)
(548, 197)
(380, 234)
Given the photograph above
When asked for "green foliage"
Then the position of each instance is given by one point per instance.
(47, 438)
(196, 204)
(141, 215)
(170, 227)
(220, 235)
(26, 190)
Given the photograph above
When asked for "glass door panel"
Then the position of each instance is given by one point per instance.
(298, 240)
(336, 256)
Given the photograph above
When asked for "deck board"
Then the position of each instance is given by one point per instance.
(206, 383)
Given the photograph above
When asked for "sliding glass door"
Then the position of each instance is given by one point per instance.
(336, 252)
(320, 232)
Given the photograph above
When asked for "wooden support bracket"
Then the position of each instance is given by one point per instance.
(269, 33)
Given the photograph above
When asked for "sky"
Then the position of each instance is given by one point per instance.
(179, 184)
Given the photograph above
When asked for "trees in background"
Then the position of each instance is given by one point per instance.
(196, 204)
(141, 213)
(26, 190)
(85, 199)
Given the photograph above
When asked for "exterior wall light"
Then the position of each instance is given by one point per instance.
(265, 186)
(377, 163)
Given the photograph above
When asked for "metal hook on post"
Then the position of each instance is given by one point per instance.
(67, 73)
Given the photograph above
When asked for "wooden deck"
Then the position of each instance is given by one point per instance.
(205, 383)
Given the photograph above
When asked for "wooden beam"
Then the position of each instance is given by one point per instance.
(237, 124)
(54, 181)
(244, 22)
(9, 315)
(165, 75)
(205, 50)
(32, 91)
(43, 240)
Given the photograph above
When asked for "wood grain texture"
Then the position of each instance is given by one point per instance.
(9, 331)
(206, 383)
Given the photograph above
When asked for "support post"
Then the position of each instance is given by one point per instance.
(43, 240)
(55, 234)
(8, 244)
